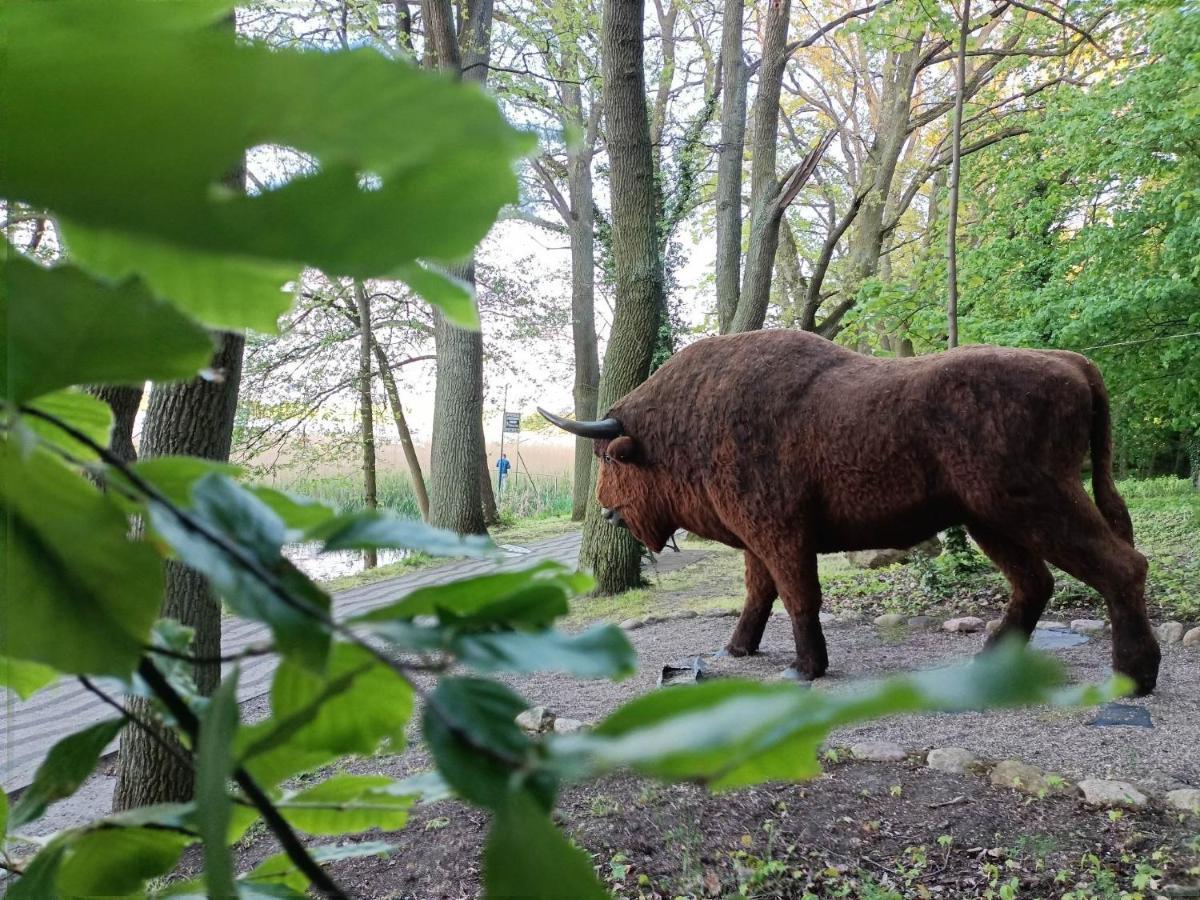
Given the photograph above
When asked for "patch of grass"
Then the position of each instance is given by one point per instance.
(524, 531)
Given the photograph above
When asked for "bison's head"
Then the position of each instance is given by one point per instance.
(629, 493)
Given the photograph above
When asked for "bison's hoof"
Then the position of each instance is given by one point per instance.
(737, 650)
(791, 673)
(1144, 677)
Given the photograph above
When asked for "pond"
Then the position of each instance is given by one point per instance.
(327, 566)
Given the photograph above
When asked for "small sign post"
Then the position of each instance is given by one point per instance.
(512, 422)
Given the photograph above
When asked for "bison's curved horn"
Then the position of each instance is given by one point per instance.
(605, 429)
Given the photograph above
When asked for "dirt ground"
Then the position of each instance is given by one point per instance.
(863, 829)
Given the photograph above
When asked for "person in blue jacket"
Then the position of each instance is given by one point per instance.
(503, 465)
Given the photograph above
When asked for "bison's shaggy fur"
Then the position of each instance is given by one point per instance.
(787, 445)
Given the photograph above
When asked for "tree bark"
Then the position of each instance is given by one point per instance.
(193, 418)
(729, 165)
(456, 493)
(487, 494)
(366, 411)
(612, 554)
(406, 441)
(960, 82)
(124, 401)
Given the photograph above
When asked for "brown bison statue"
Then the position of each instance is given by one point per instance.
(787, 445)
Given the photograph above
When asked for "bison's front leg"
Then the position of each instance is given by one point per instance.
(760, 597)
(795, 575)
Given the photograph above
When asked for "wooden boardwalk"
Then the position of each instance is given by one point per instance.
(32, 727)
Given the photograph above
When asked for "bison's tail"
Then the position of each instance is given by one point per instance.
(1112, 507)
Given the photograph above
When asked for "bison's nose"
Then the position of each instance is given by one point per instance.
(612, 516)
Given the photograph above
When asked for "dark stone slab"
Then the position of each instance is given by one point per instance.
(686, 671)
(1122, 714)
(1056, 639)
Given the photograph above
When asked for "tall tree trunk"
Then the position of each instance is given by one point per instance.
(960, 83)
(729, 165)
(582, 229)
(124, 401)
(406, 441)
(456, 492)
(366, 410)
(613, 555)
(193, 418)
(487, 494)
(765, 212)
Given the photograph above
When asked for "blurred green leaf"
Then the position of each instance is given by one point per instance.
(84, 594)
(63, 328)
(25, 678)
(280, 870)
(454, 297)
(526, 856)
(115, 862)
(348, 804)
(600, 652)
(38, 881)
(366, 530)
(65, 768)
(299, 514)
(294, 608)
(81, 411)
(214, 767)
(125, 76)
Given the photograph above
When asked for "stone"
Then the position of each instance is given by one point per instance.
(1192, 638)
(719, 613)
(922, 622)
(879, 559)
(1103, 792)
(993, 625)
(1170, 632)
(878, 751)
(652, 620)
(1184, 799)
(1122, 714)
(568, 726)
(889, 620)
(680, 614)
(1012, 773)
(631, 624)
(954, 760)
(827, 618)
(964, 624)
(536, 720)
(1051, 625)
(1088, 626)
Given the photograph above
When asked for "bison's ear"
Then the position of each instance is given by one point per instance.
(623, 449)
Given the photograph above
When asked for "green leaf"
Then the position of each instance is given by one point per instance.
(526, 856)
(348, 804)
(214, 766)
(484, 594)
(731, 733)
(175, 476)
(367, 530)
(84, 594)
(292, 606)
(38, 882)
(81, 411)
(299, 514)
(455, 298)
(62, 328)
(600, 652)
(162, 89)
(311, 724)
(65, 768)
(479, 749)
(111, 862)
(278, 869)
(25, 678)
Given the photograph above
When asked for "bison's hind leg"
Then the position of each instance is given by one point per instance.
(760, 597)
(1027, 574)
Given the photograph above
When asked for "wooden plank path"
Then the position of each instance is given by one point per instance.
(31, 728)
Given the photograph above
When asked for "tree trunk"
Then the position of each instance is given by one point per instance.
(124, 401)
(960, 83)
(366, 411)
(487, 494)
(729, 165)
(456, 493)
(612, 554)
(765, 211)
(193, 418)
(406, 441)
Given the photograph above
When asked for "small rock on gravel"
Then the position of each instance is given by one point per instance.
(1103, 792)
(652, 620)
(718, 613)
(1186, 799)
(1170, 632)
(954, 760)
(827, 618)
(1192, 638)
(993, 625)
(1088, 626)
(1051, 625)
(878, 751)
(1013, 773)
(680, 614)
(922, 622)
(568, 726)
(964, 624)
(631, 624)
(889, 620)
(536, 719)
